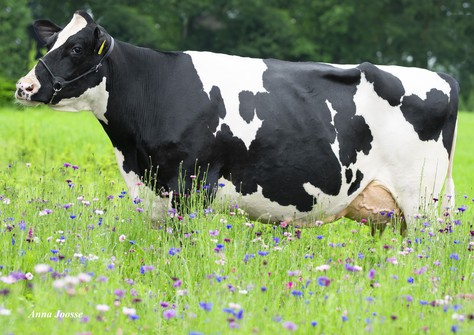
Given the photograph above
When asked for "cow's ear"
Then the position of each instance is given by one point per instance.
(45, 29)
(100, 39)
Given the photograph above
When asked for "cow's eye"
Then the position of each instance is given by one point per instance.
(76, 50)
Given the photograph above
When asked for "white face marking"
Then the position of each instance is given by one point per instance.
(93, 99)
(77, 23)
(232, 75)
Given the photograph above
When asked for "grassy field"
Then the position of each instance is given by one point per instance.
(80, 257)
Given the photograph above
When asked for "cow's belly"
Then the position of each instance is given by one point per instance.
(258, 207)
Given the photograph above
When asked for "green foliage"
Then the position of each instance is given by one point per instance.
(432, 34)
(7, 89)
(14, 42)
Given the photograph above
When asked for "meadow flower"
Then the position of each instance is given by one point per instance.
(45, 211)
(119, 293)
(146, 268)
(352, 268)
(290, 325)
(323, 281)
(454, 257)
(263, 253)
(169, 313)
(129, 311)
(371, 274)
(102, 308)
(323, 267)
(410, 280)
(248, 256)
(29, 276)
(173, 251)
(214, 232)
(42, 268)
(392, 260)
(297, 293)
(207, 306)
(84, 277)
(421, 270)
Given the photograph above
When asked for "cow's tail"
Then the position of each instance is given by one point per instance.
(449, 192)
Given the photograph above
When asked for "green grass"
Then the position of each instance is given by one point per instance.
(209, 273)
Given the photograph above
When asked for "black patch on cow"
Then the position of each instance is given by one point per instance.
(216, 107)
(426, 116)
(356, 184)
(450, 122)
(349, 175)
(354, 136)
(386, 85)
(247, 105)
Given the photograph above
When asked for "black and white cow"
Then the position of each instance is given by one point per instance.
(303, 142)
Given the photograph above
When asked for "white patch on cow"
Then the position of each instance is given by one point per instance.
(76, 24)
(232, 75)
(157, 206)
(418, 81)
(256, 205)
(132, 180)
(335, 144)
(93, 99)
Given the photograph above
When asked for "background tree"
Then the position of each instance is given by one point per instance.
(434, 34)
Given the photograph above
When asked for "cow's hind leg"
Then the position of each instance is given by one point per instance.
(375, 206)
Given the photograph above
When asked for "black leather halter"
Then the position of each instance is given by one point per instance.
(59, 82)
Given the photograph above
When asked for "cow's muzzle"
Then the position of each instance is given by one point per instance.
(26, 87)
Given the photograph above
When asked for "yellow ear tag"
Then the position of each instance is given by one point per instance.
(101, 48)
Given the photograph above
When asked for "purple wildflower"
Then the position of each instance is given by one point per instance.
(173, 251)
(324, 281)
(119, 293)
(207, 306)
(290, 325)
(371, 274)
(169, 313)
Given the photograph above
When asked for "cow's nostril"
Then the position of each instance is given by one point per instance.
(29, 88)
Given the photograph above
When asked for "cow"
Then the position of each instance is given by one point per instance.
(302, 142)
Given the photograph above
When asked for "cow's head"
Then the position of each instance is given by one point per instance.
(70, 67)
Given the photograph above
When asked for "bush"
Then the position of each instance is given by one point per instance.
(7, 90)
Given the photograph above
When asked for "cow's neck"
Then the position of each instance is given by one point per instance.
(139, 116)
